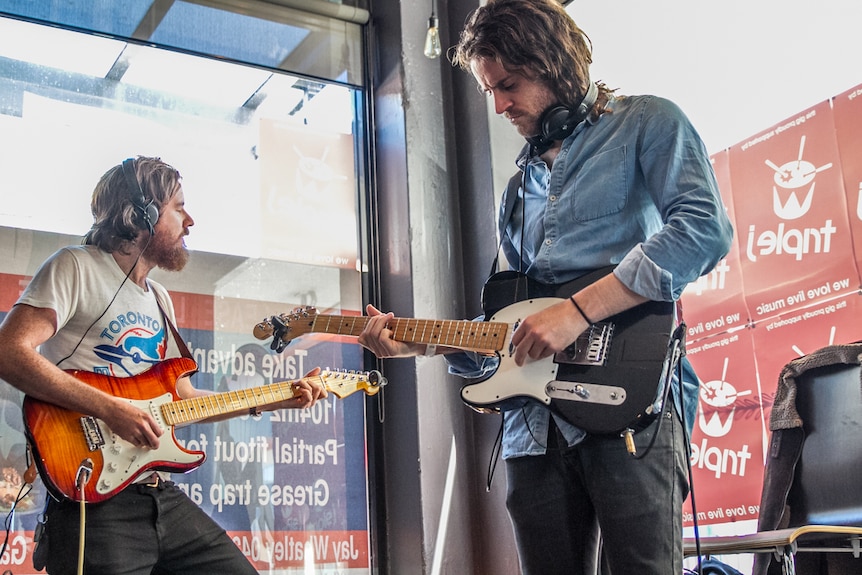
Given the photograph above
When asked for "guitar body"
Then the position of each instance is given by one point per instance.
(605, 382)
(62, 439)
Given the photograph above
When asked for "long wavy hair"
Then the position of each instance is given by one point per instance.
(116, 220)
(534, 37)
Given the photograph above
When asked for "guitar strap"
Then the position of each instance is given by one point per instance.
(510, 197)
(181, 345)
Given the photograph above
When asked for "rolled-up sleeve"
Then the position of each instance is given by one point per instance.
(696, 231)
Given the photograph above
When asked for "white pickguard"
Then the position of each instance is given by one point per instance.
(511, 380)
(123, 461)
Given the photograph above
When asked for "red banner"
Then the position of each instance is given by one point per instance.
(791, 215)
(847, 108)
(715, 303)
(794, 193)
(729, 435)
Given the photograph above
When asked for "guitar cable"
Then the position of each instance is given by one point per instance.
(495, 454)
(85, 471)
(674, 355)
(695, 526)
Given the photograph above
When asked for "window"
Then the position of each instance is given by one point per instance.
(269, 138)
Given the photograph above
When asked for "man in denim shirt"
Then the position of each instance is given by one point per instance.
(624, 182)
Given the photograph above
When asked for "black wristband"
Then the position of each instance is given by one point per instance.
(580, 311)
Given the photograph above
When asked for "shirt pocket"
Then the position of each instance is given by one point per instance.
(599, 188)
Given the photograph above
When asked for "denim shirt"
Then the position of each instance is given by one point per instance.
(634, 189)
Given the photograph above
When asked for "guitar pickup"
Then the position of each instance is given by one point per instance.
(591, 347)
(92, 433)
(588, 392)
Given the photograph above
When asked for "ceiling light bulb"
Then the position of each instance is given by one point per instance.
(432, 39)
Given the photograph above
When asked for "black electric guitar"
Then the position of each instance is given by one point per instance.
(604, 382)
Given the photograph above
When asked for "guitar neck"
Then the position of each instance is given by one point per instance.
(338, 383)
(186, 411)
(459, 334)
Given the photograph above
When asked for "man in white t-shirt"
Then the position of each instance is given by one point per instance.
(92, 308)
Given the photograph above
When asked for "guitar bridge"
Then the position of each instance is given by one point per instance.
(591, 347)
(92, 433)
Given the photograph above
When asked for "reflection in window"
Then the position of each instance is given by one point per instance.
(269, 161)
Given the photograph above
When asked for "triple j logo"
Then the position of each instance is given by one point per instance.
(716, 410)
(792, 196)
(718, 405)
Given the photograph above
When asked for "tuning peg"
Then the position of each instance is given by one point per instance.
(376, 378)
(263, 329)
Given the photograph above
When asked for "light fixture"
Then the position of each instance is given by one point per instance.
(432, 37)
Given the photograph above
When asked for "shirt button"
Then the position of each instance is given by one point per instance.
(553, 198)
(547, 242)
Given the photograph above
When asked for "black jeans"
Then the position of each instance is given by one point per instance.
(574, 505)
(139, 531)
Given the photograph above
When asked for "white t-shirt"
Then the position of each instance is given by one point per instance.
(105, 323)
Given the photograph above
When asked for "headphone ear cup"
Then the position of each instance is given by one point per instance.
(555, 123)
(558, 122)
(148, 210)
(150, 213)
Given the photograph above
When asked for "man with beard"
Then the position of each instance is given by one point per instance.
(93, 308)
(604, 180)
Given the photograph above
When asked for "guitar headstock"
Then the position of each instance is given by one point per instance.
(285, 328)
(343, 383)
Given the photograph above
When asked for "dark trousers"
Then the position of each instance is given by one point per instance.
(575, 505)
(139, 531)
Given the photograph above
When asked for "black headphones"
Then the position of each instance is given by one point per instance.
(148, 210)
(558, 122)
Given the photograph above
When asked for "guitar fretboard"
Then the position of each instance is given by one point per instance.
(461, 334)
(199, 408)
(339, 383)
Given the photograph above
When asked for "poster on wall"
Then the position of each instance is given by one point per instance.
(847, 108)
(289, 486)
(728, 439)
(791, 215)
(715, 303)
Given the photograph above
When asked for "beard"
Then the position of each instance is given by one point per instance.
(167, 255)
(533, 120)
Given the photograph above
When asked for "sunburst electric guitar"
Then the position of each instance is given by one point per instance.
(67, 444)
(604, 382)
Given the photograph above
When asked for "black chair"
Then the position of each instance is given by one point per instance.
(810, 518)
